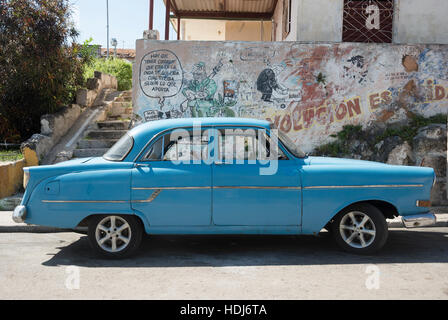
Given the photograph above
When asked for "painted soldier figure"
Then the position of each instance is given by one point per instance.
(200, 92)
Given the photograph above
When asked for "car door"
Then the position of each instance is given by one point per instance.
(247, 189)
(171, 183)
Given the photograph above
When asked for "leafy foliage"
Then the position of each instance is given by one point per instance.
(10, 155)
(341, 145)
(40, 68)
(119, 68)
(407, 133)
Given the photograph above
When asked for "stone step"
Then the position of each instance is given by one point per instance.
(120, 110)
(106, 134)
(123, 99)
(112, 96)
(126, 94)
(120, 117)
(114, 124)
(121, 104)
(85, 153)
(96, 144)
(101, 97)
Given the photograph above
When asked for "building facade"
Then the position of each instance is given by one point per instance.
(385, 21)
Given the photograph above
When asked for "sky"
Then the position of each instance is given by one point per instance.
(127, 20)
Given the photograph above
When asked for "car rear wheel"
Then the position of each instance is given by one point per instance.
(360, 229)
(114, 236)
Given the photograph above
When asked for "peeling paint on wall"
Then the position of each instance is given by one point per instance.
(309, 90)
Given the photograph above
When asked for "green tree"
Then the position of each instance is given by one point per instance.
(40, 64)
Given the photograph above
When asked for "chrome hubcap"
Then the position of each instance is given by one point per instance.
(357, 229)
(113, 234)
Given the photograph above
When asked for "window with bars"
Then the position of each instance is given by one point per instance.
(368, 21)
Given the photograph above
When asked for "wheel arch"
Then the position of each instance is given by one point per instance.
(84, 223)
(389, 210)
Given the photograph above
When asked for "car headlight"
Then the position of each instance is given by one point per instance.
(26, 178)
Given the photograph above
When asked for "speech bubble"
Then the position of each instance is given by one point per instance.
(161, 75)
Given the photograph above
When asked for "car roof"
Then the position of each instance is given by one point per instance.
(154, 127)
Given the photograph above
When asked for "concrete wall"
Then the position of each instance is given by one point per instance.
(420, 21)
(221, 30)
(321, 87)
(93, 95)
(194, 29)
(318, 20)
(53, 128)
(11, 177)
(415, 21)
(248, 30)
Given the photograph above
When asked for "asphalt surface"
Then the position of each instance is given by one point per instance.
(412, 265)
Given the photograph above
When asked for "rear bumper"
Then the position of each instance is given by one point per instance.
(419, 220)
(19, 214)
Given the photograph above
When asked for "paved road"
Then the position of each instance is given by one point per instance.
(413, 265)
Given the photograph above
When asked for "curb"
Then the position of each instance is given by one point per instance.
(31, 229)
(399, 224)
(7, 225)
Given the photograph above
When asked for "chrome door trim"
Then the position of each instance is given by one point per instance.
(84, 201)
(158, 190)
(255, 187)
(217, 187)
(172, 188)
(153, 196)
(367, 186)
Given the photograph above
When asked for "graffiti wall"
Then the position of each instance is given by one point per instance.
(309, 90)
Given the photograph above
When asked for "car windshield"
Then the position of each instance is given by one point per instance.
(290, 145)
(120, 149)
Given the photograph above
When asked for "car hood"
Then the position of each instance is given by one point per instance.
(354, 171)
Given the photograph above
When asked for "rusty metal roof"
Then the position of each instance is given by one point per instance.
(224, 9)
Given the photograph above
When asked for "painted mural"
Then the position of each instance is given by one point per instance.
(309, 90)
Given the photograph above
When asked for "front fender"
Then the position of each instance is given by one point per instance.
(327, 189)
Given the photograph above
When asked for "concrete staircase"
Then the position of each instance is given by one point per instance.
(110, 127)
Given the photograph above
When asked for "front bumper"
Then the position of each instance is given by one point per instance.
(19, 214)
(419, 220)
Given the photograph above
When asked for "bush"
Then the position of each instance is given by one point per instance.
(119, 68)
(39, 65)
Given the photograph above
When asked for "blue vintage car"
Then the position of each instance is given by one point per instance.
(222, 176)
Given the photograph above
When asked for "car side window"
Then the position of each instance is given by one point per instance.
(179, 147)
(191, 148)
(155, 152)
(245, 144)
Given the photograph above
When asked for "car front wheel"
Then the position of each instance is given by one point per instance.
(360, 229)
(114, 236)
